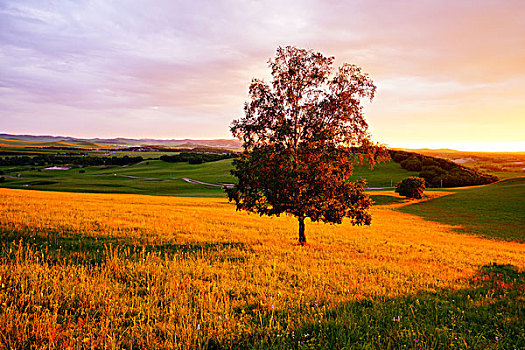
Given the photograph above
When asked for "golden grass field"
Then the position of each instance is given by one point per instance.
(177, 271)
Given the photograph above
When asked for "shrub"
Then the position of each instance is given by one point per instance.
(411, 187)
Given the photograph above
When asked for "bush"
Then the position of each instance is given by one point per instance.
(2, 179)
(411, 187)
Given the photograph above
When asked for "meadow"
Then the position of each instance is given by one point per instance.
(127, 271)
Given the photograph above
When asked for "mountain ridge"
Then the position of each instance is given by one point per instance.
(122, 141)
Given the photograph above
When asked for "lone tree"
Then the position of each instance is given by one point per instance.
(411, 187)
(302, 135)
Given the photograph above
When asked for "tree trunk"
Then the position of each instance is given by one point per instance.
(302, 237)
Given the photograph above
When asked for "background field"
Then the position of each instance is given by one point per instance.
(161, 178)
(148, 177)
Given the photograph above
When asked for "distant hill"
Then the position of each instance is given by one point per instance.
(230, 144)
(441, 172)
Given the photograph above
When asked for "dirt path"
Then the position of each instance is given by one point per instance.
(192, 181)
(126, 176)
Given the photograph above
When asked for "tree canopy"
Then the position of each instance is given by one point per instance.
(302, 134)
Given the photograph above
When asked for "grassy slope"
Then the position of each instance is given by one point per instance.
(496, 211)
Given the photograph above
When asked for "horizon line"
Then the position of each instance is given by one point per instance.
(483, 147)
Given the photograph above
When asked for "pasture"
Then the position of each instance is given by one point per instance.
(126, 271)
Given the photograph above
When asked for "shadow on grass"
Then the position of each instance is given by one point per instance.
(89, 250)
(487, 315)
(494, 211)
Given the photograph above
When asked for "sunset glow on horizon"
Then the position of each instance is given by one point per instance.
(448, 75)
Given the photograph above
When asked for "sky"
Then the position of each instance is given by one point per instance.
(448, 73)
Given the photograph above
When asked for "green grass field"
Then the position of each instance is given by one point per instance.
(148, 177)
(161, 178)
(494, 211)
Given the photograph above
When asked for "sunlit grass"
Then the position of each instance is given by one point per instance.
(100, 270)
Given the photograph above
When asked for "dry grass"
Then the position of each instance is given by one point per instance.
(179, 272)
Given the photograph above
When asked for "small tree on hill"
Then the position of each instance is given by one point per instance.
(411, 187)
(301, 136)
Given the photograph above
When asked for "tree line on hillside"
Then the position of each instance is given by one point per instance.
(196, 158)
(439, 172)
(51, 159)
(165, 149)
(45, 159)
